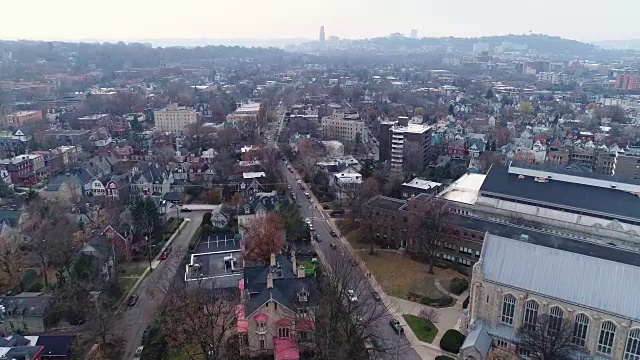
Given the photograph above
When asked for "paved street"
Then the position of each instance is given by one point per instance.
(134, 320)
(402, 348)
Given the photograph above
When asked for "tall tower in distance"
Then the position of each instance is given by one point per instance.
(321, 38)
(414, 34)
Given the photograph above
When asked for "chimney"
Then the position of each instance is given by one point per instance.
(270, 280)
(273, 260)
(294, 264)
(301, 272)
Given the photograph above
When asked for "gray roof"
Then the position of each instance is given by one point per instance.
(11, 217)
(568, 196)
(387, 203)
(478, 338)
(534, 268)
(56, 183)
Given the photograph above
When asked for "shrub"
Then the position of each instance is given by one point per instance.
(452, 341)
(465, 304)
(444, 357)
(458, 285)
(431, 315)
(411, 296)
(437, 302)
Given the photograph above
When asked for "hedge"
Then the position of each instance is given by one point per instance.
(444, 301)
(452, 340)
(458, 285)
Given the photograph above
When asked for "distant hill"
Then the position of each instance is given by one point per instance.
(630, 44)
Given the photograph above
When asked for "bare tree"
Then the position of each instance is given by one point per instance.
(428, 228)
(202, 317)
(549, 339)
(102, 321)
(347, 313)
(430, 314)
(48, 231)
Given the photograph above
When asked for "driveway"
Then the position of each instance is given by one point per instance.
(132, 321)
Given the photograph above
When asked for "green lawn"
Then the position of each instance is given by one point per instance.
(135, 271)
(126, 283)
(423, 329)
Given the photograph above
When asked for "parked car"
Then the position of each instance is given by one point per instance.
(138, 353)
(299, 182)
(133, 299)
(333, 233)
(351, 295)
(376, 296)
(395, 324)
(318, 238)
(307, 221)
(306, 193)
(146, 333)
(333, 246)
(336, 213)
(164, 255)
(185, 210)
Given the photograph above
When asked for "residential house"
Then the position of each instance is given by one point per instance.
(25, 169)
(518, 279)
(419, 186)
(101, 252)
(16, 346)
(346, 184)
(218, 218)
(151, 179)
(10, 219)
(62, 187)
(25, 312)
(258, 205)
(277, 311)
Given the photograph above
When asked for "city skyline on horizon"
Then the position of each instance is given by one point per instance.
(290, 19)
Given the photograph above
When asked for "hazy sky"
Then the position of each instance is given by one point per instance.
(586, 20)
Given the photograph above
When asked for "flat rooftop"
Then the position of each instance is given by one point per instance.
(422, 184)
(216, 259)
(387, 203)
(465, 189)
(215, 243)
(569, 196)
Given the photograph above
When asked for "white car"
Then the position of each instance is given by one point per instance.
(299, 181)
(138, 354)
(352, 296)
(308, 221)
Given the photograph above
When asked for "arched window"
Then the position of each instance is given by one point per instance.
(632, 349)
(530, 314)
(607, 335)
(580, 330)
(508, 309)
(555, 319)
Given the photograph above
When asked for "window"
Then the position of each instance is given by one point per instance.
(262, 326)
(632, 349)
(283, 332)
(580, 330)
(555, 320)
(530, 314)
(501, 343)
(487, 299)
(524, 352)
(508, 308)
(605, 340)
(263, 342)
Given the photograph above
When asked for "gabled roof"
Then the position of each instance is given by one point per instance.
(534, 268)
(478, 338)
(267, 201)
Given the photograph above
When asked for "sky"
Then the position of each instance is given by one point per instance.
(128, 20)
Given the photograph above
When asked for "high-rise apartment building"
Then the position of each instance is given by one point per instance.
(321, 38)
(174, 118)
(627, 82)
(414, 34)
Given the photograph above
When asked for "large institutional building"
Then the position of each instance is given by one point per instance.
(344, 127)
(174, 118)
(590, 287)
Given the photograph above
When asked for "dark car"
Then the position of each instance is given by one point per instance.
(336, 213)
(318, 238)
(133, 299)
(333, 233)
(395, 324)
(376, 296)
(333, 246)
(146, 333)
(185, 210)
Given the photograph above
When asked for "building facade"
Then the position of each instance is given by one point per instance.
(174, 118)
(517, 280)
(345, 128)
(21, 118)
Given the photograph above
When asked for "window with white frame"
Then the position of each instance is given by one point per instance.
(580, 330)
(263, 342)
(555, 320)
(261, 326)
(530, 314)
(605, 340)
(632, 349)
(283, 332)
(508, 309)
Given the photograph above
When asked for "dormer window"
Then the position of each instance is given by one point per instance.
(303, 296)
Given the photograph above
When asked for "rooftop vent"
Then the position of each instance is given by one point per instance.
(524, 237)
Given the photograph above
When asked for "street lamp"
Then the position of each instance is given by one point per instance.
(146, 238)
